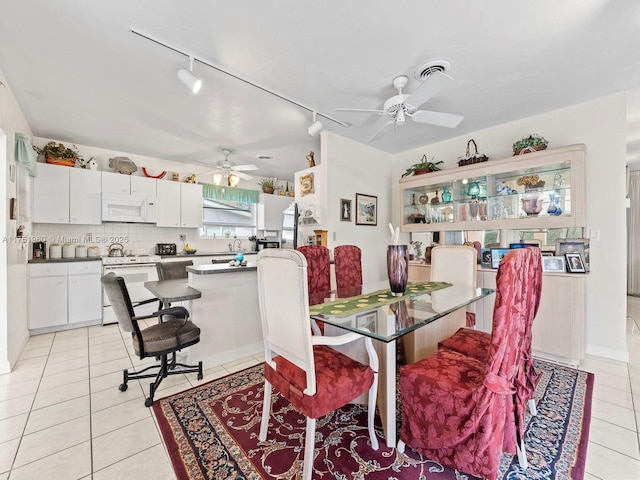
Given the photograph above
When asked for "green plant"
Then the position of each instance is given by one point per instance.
(268, 183)
(424, 164)
(57, 150)
(533, 140)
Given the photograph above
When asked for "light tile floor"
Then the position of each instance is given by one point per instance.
(62, 416)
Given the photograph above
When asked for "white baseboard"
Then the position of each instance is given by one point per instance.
(610, 353)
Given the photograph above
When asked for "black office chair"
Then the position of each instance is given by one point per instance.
(174, 332)
(171, 270)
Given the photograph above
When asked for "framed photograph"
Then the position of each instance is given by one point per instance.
(306, 184)
(366, 209)
(574, 245)
(485, 257)
(497, 254)
(574, 263)
(345, 210)
(553, 264)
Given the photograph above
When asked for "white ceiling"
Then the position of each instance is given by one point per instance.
(81, 76)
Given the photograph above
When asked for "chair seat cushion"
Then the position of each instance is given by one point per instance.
(161, 338)
(472, 343)
(339, 380)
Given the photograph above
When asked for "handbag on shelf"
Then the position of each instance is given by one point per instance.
(468, 158)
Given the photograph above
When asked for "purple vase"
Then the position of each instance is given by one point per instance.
(398, 268)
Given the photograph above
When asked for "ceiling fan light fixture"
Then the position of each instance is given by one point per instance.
(217, 178)
(188, 79)
(233, 180)
(315, 127)
(400, 119)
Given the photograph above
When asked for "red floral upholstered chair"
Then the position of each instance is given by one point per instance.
(347, 260)
(456, 264)
(460, 411)
(315, 378)
(475, 343)
(318, 271)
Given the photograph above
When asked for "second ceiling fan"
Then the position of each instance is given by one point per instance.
(402, 106)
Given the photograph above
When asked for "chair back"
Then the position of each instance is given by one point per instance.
(318, 269)
(116, 290)
(171, 270)
(284, 309)
(456, 264)
(347, 260)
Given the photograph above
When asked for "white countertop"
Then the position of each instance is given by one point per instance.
(221, 268)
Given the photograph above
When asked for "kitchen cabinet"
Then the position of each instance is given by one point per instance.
(190, 205)
(128, 184)
(85, 205)
(491, 195)
(270, 210)
(51, 194)
(559, 329)
(168, 204)
(179, 204)
(66, 195)
(64, 294)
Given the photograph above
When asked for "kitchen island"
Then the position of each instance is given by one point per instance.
(228, 313)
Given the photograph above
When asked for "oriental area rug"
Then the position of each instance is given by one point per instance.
(211, 432)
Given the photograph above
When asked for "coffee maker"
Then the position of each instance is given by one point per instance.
(39, 250)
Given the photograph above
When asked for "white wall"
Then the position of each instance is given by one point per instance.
(352, 168)
(13, 271)
(601, 125)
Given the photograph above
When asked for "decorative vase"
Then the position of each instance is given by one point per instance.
(398, 268)
(423, 199)
(532, 206)
(554, 205)
(446, 195)
(267, 189)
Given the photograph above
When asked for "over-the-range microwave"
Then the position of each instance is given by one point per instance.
(117, 207)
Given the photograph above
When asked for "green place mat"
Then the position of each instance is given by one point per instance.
(351, 305)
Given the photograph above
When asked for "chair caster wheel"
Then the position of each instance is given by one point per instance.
(199, 377)
(148, 402)
(123, 387)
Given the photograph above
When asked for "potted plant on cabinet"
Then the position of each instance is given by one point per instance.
(57, 154)
(424, 166)
(532, 143)
(268, 185)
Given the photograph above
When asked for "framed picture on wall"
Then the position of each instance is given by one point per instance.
(366, 209)
(345, 210)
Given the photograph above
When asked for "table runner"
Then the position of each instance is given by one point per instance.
(351, 305)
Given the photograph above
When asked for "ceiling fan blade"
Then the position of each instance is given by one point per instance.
(378, 134)
(435, 83)
(449, 120)
(359, 110)
(244, 167)
(243, 176)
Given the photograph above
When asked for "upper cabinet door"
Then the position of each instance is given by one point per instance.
(116, 183)
(143, 186)
(191, 205)
(84, 197)
(168, 203)
(51, 194)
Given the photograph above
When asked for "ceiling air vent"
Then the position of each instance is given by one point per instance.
(428, 68)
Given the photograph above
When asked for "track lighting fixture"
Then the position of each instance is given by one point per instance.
(315, 127)
(188, 79)
(193, 83)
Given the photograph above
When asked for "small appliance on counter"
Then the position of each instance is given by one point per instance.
(262, 243)
(39, 250)
(166, 249)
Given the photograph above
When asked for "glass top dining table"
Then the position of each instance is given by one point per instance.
(396, 318)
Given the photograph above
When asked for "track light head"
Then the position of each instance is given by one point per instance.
(188, 79)
(315, 127)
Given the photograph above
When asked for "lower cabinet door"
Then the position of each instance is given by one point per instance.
(85, 301)
(47, 301)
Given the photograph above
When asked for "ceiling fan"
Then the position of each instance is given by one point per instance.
(226, 171)
(404, 105)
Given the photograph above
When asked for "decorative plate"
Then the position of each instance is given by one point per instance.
(123, 165)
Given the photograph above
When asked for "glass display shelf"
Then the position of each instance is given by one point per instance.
(546, 189)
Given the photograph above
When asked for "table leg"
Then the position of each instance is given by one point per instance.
(387, 389)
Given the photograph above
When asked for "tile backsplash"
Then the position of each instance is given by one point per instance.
(136, 238)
